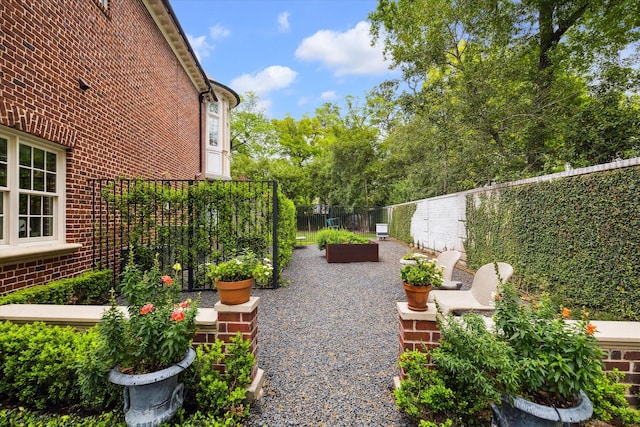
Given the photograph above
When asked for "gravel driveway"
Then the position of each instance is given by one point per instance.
(328, 342)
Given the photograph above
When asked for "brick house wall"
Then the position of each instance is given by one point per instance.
(142, 115)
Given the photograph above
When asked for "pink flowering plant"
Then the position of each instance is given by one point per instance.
(159, 327)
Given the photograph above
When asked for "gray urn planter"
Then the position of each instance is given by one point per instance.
(153, 398)
(518, 412)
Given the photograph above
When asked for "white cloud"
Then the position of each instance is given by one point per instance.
(283, 22)
(303, 101)
(329, 95)
(219, 32)
(271, 78)
(200, 46)
(348, 52)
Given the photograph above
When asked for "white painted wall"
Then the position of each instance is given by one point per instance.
(439, 222)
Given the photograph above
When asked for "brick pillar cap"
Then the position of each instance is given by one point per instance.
(247, 307)
(206, 316)
(406, 314)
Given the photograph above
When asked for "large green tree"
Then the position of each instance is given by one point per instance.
(510, 76)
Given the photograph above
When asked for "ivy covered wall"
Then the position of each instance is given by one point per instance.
(577, 238)
(400, 225)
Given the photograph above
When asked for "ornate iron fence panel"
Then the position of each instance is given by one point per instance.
(185, 221)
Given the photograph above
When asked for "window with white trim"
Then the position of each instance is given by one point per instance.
(214, 120)
(32, 180)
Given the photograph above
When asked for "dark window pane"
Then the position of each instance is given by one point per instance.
(47, 206)
(3, 149)
(38, 158)
(38, 180)
(3, 175)
(51, 182)
(51, 162)
(24, 204)
(1, 227)
(22, 223)
(25, 155)
(36, 206)
(35, 227)
(25, 179)
(47, 227)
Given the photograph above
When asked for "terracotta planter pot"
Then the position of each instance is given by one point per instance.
(417, 296)
(233, 293)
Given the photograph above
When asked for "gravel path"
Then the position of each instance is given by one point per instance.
(328, 342)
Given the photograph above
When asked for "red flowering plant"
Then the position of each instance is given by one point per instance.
(557, 357)
(158, 328)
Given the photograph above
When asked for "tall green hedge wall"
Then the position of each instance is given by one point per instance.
(577, 238)
(400, 226)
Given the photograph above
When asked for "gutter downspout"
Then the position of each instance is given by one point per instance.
(203, 145)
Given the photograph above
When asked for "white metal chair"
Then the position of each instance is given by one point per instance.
(481, 296)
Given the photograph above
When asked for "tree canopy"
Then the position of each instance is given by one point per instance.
(491, 90)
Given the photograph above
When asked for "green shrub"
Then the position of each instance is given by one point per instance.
(472, 368)
(286, 230)
(423, 394)
(97, 393)
(90, 287)
(37, 363)
(222, 396)
(609, 402)
(477, 365)
(25, 417)
(335, 236)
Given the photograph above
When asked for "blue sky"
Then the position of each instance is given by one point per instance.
(295, 54)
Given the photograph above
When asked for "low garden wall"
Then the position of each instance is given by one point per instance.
(620, 342)
(222, 321)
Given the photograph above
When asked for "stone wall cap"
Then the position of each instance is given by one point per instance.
(406, 314)
(247, 307)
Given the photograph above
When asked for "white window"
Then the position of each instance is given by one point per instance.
(213, 132)
(214, 129)
(32, 181)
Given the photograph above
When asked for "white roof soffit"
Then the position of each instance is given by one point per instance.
(172, 32)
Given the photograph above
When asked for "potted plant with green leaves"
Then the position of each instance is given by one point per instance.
(235, 277)
(532, 367)
(151, 345)
(558, 360)
(418, 279)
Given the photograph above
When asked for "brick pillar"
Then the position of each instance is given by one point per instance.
(627, 361)
(417, 330)
(240, 318)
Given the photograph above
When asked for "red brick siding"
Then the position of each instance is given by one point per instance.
(139, 117)
(628, 363)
